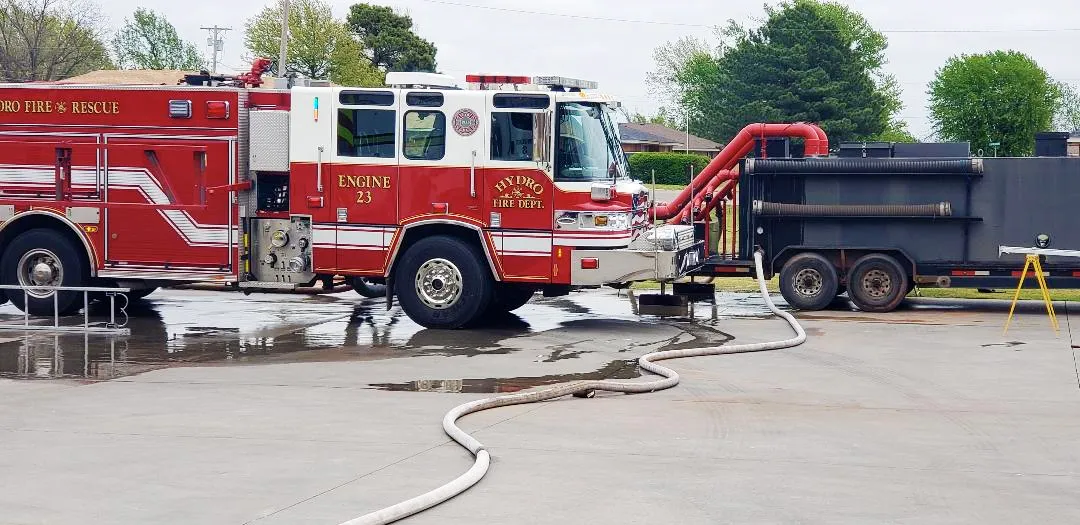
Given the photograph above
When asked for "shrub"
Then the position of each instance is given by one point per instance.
(671, 168)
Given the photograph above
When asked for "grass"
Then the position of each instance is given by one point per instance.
(677, 187)
(971, 293)
(749, 285)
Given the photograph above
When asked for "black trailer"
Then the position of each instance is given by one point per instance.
(877, 227)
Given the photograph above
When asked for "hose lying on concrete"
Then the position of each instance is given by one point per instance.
(480, 466)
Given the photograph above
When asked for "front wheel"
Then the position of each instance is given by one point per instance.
(511, 296)
(809, 282)
(877, 283)
(442, 282)
(43, 257)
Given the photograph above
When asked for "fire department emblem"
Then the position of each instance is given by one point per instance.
(466, 122)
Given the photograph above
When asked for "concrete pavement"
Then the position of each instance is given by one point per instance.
(312, 411)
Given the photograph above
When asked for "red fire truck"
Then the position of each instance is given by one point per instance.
(457, 201)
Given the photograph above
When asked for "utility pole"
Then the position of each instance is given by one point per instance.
(688, 133)
(284, 39)
(216, 43)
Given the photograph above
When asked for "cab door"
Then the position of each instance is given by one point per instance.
(311, 146)
(442, 156)
(519, 193)
(364, 178)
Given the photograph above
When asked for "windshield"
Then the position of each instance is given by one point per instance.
(588, 143)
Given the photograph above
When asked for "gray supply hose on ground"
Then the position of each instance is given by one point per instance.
(647, 362)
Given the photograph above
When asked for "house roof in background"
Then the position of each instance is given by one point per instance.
(164, 77)
(664, 135)
(631, 133)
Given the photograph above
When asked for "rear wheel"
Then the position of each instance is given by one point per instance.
(43, 257)
(877, 283)
(442, 282)
(368, 289)
(809, 282)
(510, 296)
(141, 293)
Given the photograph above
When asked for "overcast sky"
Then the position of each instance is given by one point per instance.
(618, 54)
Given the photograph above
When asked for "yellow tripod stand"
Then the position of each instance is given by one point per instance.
(1032, 261)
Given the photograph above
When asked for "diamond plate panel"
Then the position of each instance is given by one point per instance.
(269, 140)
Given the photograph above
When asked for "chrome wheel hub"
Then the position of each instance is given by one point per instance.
(808, 282)
(877, 284)
(438, 284)
(40, 267)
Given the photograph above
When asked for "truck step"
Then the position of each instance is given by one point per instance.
(663, 305)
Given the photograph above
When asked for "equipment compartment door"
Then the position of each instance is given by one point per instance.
(145, 181)
(364, 179)
(67, 167)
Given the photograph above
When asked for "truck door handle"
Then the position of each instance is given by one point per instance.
(472, 175)
(318, 170)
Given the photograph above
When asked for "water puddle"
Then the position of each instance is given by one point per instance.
(621, 369)
(190, 328)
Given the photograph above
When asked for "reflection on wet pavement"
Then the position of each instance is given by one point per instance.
(621, 369)
(193, 328)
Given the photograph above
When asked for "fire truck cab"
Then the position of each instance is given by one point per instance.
(458, 202)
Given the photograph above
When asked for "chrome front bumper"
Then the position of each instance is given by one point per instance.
(662, 254)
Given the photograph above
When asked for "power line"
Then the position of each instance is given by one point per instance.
(709, 26)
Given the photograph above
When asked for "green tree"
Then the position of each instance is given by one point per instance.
(1002, 96)
(50, 40)
(149, 41)
(1067, 117)
(659, 118)
(389, 39)
(897, 131)
(319, 45)
(809, 60)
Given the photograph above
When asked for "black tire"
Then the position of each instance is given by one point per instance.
(877, 283)
(141, 293)
(425, 277)
(55, 251)
(809, 282)
(510, 296)
(368, 289)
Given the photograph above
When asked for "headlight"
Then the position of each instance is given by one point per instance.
(605, 221)
(591, 220)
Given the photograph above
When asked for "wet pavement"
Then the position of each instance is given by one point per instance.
(224, 408)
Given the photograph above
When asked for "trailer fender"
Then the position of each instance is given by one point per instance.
(39, 218)
(412, 232)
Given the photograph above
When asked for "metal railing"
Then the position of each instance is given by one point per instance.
(110, 328)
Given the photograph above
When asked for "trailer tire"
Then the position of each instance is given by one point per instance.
(809, 281)
(510, 296)
(367, 289)
(42, 256)
(442, 282)
(877, 283)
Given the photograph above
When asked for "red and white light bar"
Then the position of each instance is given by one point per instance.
(497, 79)
(551, 81)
